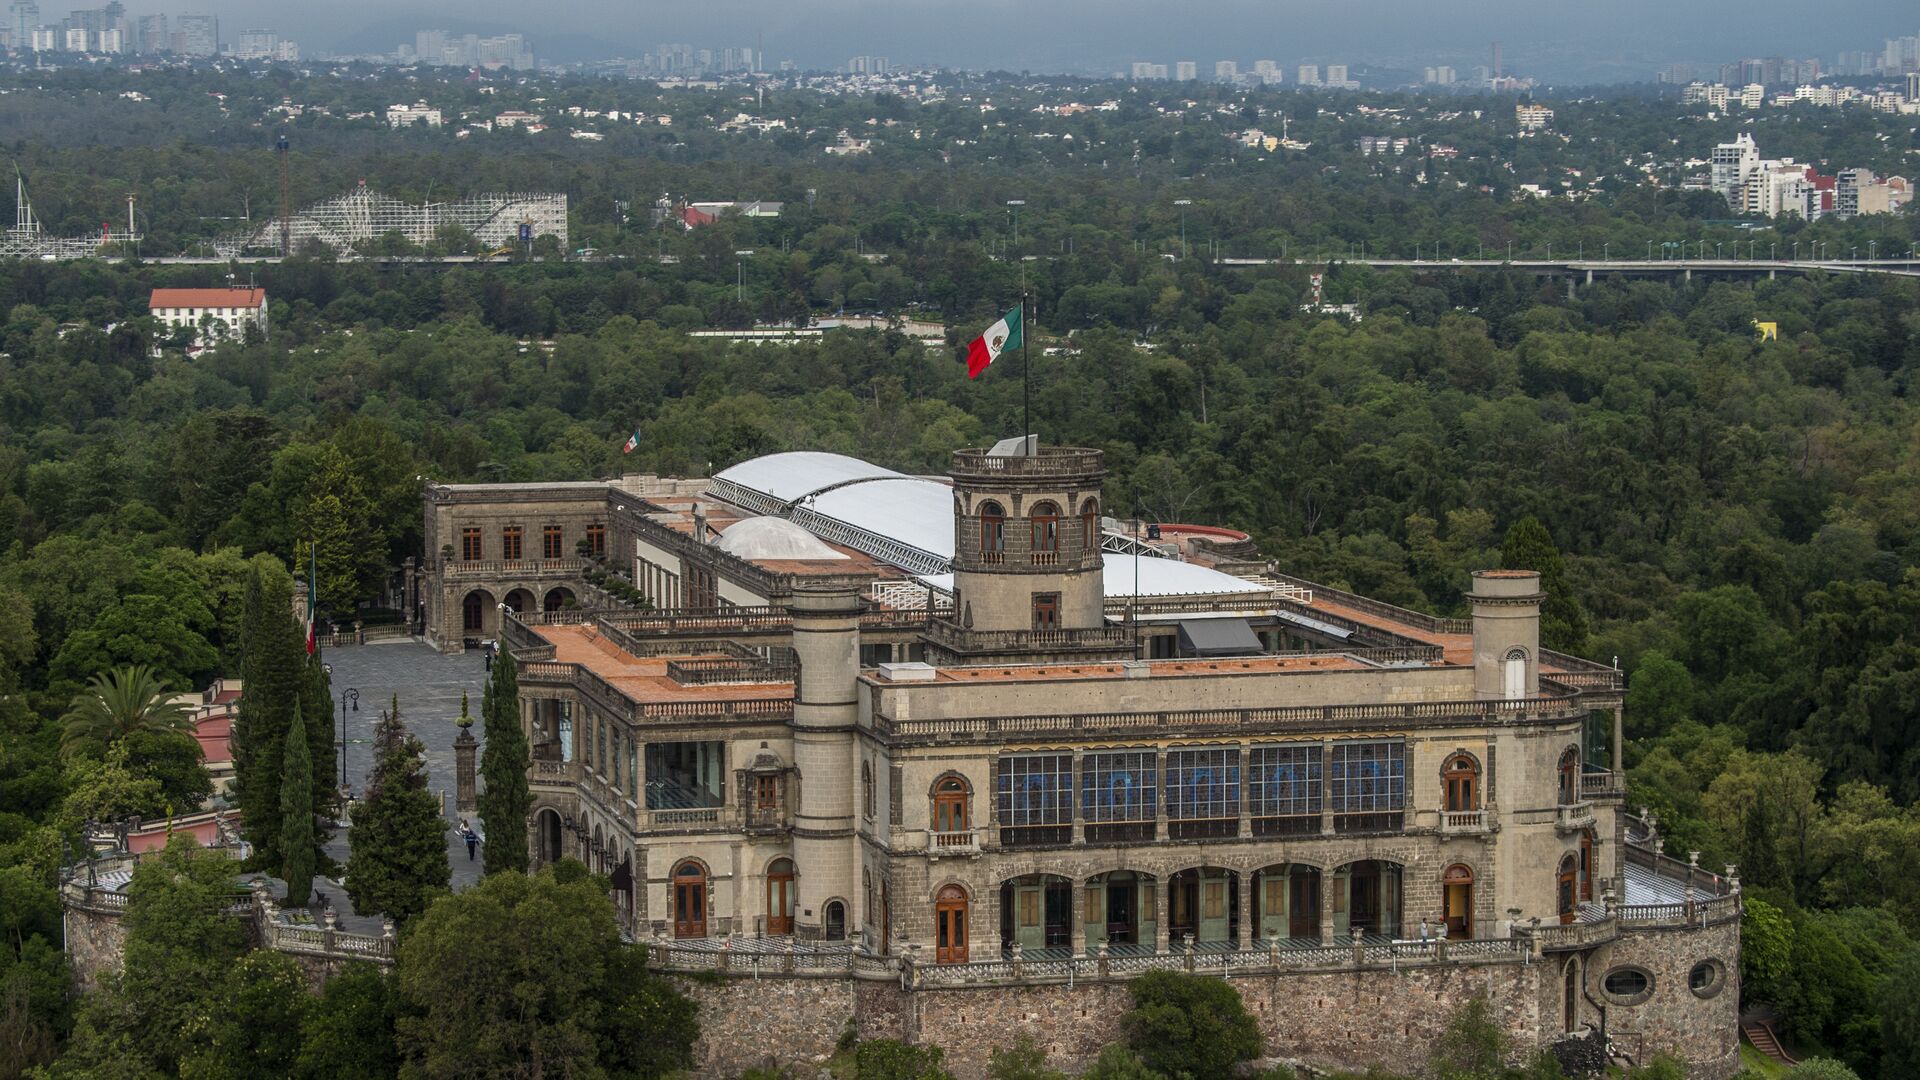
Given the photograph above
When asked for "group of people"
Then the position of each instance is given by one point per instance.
(1432, 930)
(471, 837)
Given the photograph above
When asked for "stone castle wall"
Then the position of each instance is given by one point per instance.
(96, 942)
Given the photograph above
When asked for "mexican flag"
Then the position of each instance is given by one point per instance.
(313, 598)
(987, 348)
(633, 442)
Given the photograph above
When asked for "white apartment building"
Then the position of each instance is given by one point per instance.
(1186, 70)
(1225, 70)
(1441, 76)
(1308, 75)
(1267, 71)
(1337, 77)
(1532, 117)
(1752, 96)
(419, 112)
(231, 310)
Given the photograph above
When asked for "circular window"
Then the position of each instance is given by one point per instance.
(1628, 985)
(1707, 978)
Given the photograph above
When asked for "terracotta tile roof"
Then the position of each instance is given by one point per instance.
(1233, 665)
(644, 680)
(207, 298)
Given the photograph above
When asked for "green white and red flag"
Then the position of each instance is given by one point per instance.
(313, 599)
(986, 348)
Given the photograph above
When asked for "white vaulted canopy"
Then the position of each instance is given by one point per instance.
(768, 537)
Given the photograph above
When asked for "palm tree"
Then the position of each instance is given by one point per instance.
(119, 703)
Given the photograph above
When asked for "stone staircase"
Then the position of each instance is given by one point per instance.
(1764, 1040)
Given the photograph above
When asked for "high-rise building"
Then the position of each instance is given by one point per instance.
(149, 34)
(1267, 71)
(1309, 75)
(1225, 70)
(75, 39)
(24, 17)
(1186, 70)
(256, 45)
(1913, 86)
(1441, 76)
(430, 46)
(197, 35)
(1337, 75)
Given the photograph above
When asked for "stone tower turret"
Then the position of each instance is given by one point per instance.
(826, 642)
(1026, 552)
(1506, 633)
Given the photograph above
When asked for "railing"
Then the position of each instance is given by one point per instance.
(556, 772)
(1463, 821)
(1278, 957)
(1583, 673)
(1418, 619)
(1572, 817)
(1123, 607)
(1602, 784)
(680, 818)
(945, 633)
(1016, 547)
(965, 842)
(610, 699)
(457, 569)
(708, 671)
(1574, 935)
(1255, 721)
(1051, 461)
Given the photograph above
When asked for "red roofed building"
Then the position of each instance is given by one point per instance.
(231, 310)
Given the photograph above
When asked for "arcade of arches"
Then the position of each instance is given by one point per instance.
(480, 610)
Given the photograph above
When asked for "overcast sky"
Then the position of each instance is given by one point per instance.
(1552, 38)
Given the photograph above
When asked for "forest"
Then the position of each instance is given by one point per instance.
(1737, 520)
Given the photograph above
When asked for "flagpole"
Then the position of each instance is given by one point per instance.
(1026, 373)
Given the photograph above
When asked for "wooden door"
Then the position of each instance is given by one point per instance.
(1029, 915)
(1303, 914)
(950, 926)
(1215, 924)
(1569, 907)
(1273, 906)
(780, 897)
(1459, 902)
(689, 901)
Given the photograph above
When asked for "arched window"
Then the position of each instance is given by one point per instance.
(1586, 864)
(780, 896)
(1045, 519)
(1514, 674)
(1090, 524)
(1570, 776)
(866, 789)
(836, 919)
(993, 532)
(689, 900)
(1461, 782)
(1568, 891)
(951, 817)
(950, 925)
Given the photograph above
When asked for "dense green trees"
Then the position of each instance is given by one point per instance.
(118, 704)
(504, 759)
(282, 685)
(1187, 1026)
(297, 832)
(397, 846)
(529, 972)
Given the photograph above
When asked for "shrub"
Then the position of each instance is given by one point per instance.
(1190, 1025)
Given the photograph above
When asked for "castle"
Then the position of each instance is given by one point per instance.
(951, 758)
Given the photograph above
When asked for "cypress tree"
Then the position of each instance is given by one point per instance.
(504, 760)
(316, 698)
(397, 855)
(297, 833)
(1563, 622)
(272, 665)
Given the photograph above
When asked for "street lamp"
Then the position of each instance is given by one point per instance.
(348, 697)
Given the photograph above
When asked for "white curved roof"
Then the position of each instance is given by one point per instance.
(915, 512)
(788, 476)
(770, 537)
(1158, 577)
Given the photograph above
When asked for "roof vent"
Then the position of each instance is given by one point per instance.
(911, 671)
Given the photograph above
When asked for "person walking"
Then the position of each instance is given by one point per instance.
(473, 841)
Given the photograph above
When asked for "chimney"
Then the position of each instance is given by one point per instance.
(699, 524)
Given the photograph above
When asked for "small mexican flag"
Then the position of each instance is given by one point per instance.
(633, 441)
(313, 598)
(987, 348)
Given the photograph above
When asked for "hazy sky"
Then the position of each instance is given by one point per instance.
(1554, 38)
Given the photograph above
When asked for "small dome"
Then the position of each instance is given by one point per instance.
(773, 538)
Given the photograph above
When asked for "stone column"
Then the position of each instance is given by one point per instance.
(1076, 917)
(464, 746)
(1244, 930)
(1614, 759)
(1326, 906)
(1161, 895)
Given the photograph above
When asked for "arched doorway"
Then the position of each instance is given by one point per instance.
(1366, 899)
(474, 612)
(1461, 782)
(1036, 913)
(1286, 902)
(950, 925)
(1203, 903)
(950, 810)
(689, 900)
(1457, 885)
(836, 920)
(1119, 911)
(520, 601)
(780, 896)
(1570, 776)
(548, 830)
(1568, 891)
(557, 599)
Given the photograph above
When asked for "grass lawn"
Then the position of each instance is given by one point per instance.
(1759, 1064)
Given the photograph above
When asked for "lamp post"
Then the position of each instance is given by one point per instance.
(348, 697)
(1183, 204)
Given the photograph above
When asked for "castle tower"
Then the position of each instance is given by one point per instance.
(1027, 571)
(826, 642)
(1506, 633)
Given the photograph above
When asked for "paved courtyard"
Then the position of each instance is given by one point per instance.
(429, 685)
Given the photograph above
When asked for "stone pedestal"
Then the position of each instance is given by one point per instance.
(464, 746)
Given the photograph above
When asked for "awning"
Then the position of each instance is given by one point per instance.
(1218, 637)
(1316, 625)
